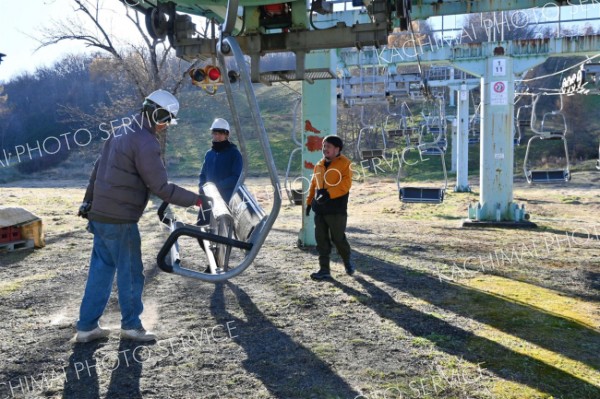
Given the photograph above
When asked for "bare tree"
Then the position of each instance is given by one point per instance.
(145, 64)
(3, 106)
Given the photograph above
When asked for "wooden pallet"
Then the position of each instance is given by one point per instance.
(16, 245)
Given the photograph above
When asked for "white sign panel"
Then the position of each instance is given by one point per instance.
(499, 93)
(499, 68)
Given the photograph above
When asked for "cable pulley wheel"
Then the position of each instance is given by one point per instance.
(156, 23)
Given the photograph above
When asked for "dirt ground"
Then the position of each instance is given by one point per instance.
(434, 311)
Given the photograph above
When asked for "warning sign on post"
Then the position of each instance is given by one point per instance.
(499, 93)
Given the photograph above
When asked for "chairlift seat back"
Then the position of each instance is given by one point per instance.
(297, 196)
(401, 132)
(427, 195)
(550, 176)
(552, 136)
(221, 222)
(395, 132)
(434, 151)
(247, 214)
(218, 208)
(370, 154)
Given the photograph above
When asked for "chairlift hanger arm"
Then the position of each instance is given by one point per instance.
(250, 223)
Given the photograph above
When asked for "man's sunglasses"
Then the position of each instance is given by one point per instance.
(219, 131)
(162, 116)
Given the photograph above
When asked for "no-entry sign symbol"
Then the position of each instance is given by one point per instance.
(499, 87)
(499, 94)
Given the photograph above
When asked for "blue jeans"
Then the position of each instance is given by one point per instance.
(117, 249)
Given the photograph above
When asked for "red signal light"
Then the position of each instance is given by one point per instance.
(208, 78)
(274, 9)
(213, 73)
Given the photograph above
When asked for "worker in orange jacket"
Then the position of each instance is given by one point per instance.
(328, 199)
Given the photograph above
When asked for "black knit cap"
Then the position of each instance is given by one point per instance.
(335, 140)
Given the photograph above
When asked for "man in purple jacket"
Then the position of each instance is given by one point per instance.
(128, 170)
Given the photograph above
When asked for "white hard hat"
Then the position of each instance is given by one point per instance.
(165, 100)
(220, 124)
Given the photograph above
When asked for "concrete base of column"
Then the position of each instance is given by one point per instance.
(506, 225)
(462, 189)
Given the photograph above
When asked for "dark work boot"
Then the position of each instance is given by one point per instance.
(322, 274)
(349, 268)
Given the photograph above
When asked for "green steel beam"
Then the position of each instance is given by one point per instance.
(423, 9)
(468, 57)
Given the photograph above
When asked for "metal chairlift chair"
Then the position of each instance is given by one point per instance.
(545, 133)
(421, 194)
(241, 223)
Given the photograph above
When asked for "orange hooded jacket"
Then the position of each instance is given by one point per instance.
(337, 179)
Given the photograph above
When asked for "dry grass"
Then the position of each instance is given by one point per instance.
(428, 315)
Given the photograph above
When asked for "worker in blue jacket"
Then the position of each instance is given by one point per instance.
(222, 164)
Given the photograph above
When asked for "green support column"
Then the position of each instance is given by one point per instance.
(496, 170)
(319, 119)
(496, 206)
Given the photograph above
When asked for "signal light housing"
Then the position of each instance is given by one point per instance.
(210, 77)
(198, 75)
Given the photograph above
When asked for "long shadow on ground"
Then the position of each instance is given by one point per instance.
(127, 370)
(409, 249)
(525, 322)
(286, 368)
(81, 379)
(518, 320)
(82, 383)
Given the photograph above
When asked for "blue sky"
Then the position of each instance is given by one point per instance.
(18, 21)
(20, 24)
(21, 21)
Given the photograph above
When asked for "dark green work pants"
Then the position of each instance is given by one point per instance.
(331, 228)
